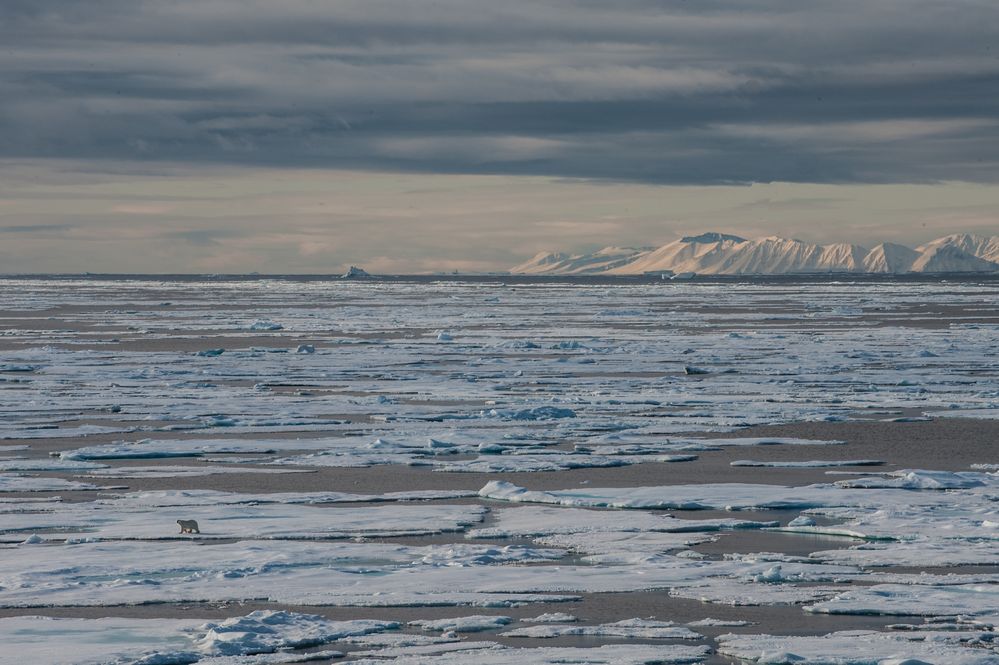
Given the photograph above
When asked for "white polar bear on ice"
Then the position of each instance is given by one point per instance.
(188, 526)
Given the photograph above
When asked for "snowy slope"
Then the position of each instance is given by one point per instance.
(722, 254)
(684, 255)
(557, 263)
(948, 258)
(981, 246)
(777, 256)
(890, 258)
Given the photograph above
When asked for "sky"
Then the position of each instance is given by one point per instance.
(426, 135)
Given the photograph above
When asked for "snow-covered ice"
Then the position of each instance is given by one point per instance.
(559, 380)
(467, 624)
(861, 648)
(628, 628)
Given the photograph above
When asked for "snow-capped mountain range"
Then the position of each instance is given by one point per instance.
(723, 254)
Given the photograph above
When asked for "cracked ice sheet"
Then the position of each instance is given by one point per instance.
(554, 461)
(627, 628)
(550, 461)
(291, 572)
(425, 650)
(963, 515)
(360, 574)
(48, 465)
(217, 497)
(650, 441)
(156, 448)
(623, 547)
(266, 631)
(920, 479)
(610, 654)
(272, 658)
(535, 520)
(61, 432)
(107, 521)
(58, 641)
(857, 647)
(807, 465)
(12, 482)
(745, 593)
(168, 471)
(402, 447)
(802, 372)
(916, 600)
(707, 496)
(470, 624)
(922, 553)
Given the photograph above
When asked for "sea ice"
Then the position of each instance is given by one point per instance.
(705, 496)
(627, 628)
(469, 624)
(265, 631)
(551, 617)
(61, 641)
(747, 593)
(709, 623)
(808, 464)
(14, 482)
(170, 471)
(609, 654)
(919, 553)
(915, 600)
(48, 465)
(920, 479)
(854, 648)
(525, 463)
(109, 521)
(537, 520)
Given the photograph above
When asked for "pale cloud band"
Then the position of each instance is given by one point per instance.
(132, 217)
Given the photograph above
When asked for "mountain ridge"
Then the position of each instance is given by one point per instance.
(713, 253)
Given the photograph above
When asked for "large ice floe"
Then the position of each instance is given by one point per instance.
(634, 628)
(212, 399)
(862, 648)
(57, 641)
(125, 520)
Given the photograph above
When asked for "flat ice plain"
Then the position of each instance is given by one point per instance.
(531, 472)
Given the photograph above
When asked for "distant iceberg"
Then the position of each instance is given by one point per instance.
(353, 272)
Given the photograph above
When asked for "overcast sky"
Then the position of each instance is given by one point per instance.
(418, 135)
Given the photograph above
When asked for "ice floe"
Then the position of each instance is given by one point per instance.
(102, 641)
(15, 482)
(468, 624)
(173, 471)
(110, 520)
(811, 464)
(719, 496)
(627, 628)
(924, 480)
(551, 617)
(915, 600)
(609, 654)
(860, 648)
(48, 465)
(265, 631)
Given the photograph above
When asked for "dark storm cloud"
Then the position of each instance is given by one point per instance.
(642, 90)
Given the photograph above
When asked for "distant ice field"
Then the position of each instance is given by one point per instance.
(235, 472)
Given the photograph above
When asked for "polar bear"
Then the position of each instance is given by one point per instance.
(188, 526)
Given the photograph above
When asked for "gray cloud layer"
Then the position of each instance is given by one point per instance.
(659, 91)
